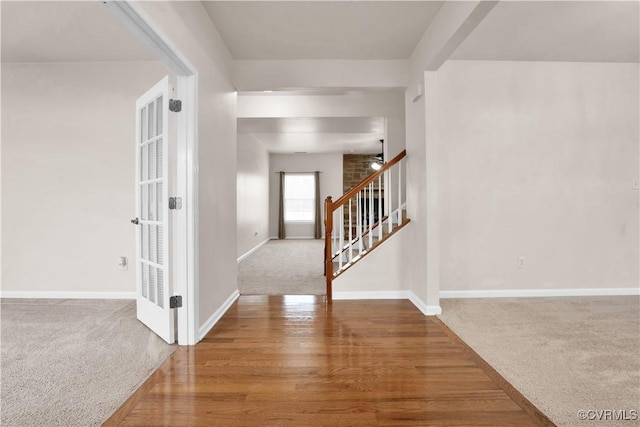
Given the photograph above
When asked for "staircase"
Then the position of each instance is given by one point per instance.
(363, 218)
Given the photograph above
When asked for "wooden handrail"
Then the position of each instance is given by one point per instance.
(351, 193)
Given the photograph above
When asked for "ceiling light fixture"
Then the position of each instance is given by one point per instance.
(378, 160)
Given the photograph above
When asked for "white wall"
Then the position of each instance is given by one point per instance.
(414, 252)
(385, 103)
(190, 29)
(380, 270)
(253, 193)
(454, 21)
(537, 160)
(68, 162)
(272, 74)
(330, 166)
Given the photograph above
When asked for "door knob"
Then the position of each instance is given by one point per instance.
(134, 221)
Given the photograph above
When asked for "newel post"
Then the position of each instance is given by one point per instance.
(328, 258)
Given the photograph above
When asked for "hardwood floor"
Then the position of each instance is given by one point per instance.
(296, 361)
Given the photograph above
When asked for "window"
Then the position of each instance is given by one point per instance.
(299, 197)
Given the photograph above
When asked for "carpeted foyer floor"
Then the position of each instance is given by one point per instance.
(72, 362)
(284, 267)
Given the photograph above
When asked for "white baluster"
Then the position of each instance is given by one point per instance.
(350, 235)
(341, 236)
(380, 207)
(388, 197)
(370, 215)
(336, 224)
(400, 192)
(359, 216)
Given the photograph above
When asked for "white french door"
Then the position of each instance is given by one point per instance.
(153, 229)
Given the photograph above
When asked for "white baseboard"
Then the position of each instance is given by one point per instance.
(295, 238)
(217, 315)
(67, 295)
(427, 310)
(523, 293)
(351, 295)
(250, 251)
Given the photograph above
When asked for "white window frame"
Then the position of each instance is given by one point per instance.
(313, 198)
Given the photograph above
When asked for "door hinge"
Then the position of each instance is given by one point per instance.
(175, 301)
(175, 203)
(175, 105)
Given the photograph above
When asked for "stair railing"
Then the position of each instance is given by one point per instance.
(363, 218)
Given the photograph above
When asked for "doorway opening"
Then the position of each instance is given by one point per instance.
(185, 248)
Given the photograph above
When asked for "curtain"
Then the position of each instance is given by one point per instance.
(281, 232)
(318, 221)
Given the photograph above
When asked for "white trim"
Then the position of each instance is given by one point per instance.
(300, 238)
(250, 251)
(133, 15)
(189, 183)
(215, 317)
(351, 295)
(524, 293)
(427, 310)
(149, 32)
(187, 157)
(67, 295)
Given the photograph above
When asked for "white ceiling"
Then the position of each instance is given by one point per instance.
(66, 31)
(589, 31)
(357, 135)
(373, 125)
(598, 31)
(74, 31)
(322, 29)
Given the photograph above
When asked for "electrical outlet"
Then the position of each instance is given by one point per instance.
(124, 264)
(521, 261)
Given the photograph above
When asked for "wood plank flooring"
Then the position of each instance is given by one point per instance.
(296, 361)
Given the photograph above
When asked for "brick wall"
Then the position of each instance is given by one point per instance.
(356, 167)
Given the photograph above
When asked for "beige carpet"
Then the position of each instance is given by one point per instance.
(284, 267)
(564, 354)
(72, 362)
